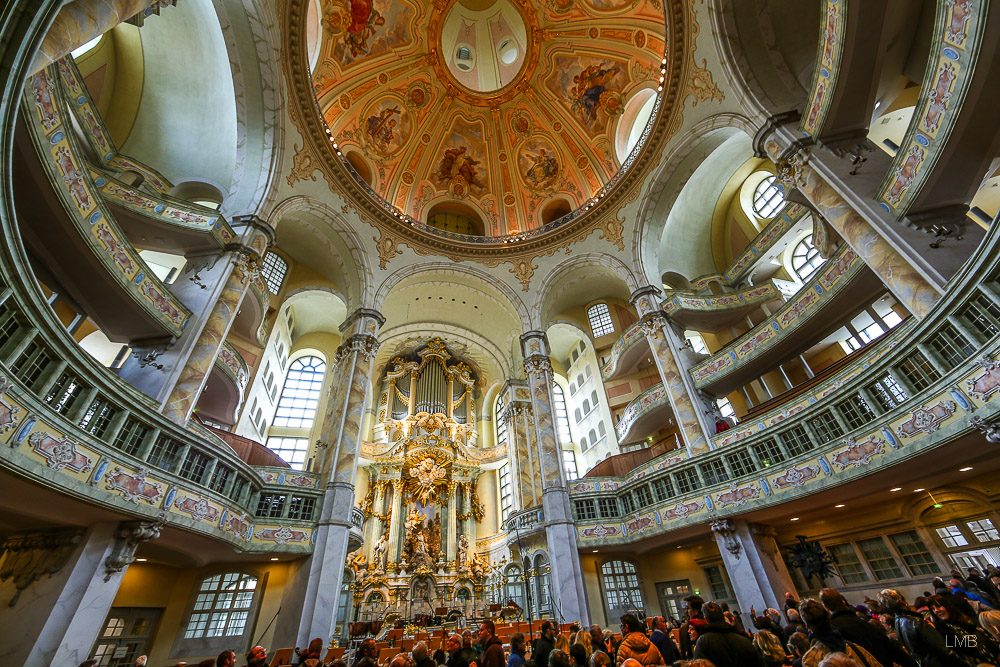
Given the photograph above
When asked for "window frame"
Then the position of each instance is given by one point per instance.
(215, 645)
(599, 318)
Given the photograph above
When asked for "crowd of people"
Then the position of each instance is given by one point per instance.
(956, 625)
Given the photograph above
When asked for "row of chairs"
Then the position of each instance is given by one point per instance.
(283, 656)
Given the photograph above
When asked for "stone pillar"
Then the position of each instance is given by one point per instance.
(80, 21)
(452, 522)
(395, 521)
(754, 563)
(568, 594)
(907, 284)
(689, 413)
(65, 584)
(312, 596)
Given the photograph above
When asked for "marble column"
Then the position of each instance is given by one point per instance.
(568, 593)
(80, 21)
(907, 284)
(395, 521)
(452, 522)
(187, 390)
(689, 413)
(310, 601)
(67, 585)
(756, 569)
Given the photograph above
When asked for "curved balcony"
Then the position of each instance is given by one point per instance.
(644, 413)
(796, 452)
(225, 388)
(250, 322)
(103, 272)
(630, 348)
(524, 523)
(356, 534)
(713, 312)
(812, 314)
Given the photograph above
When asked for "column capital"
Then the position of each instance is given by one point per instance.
(653, 322)
(534, 343)
(537, 365)
(127, 539)
(646, 299)
(254, 222)
(365, 345)
(366, 320)
(726, 530)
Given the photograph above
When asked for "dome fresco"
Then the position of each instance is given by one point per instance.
(504, 107)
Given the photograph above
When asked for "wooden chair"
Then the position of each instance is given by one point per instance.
(423, 636)
(282, 656)
(407, 644)
(335, 654)
(386, 654)
(394, 635)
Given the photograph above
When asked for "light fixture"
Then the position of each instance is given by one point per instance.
(141, 560)
(274, 559)
(595, 551)
(918, 490)
(898, 488)
(965, 469)
(795, 518)
(840, 505)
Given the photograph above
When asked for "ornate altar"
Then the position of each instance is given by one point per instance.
(422, 506)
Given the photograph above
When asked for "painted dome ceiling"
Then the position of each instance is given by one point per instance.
(489, 117)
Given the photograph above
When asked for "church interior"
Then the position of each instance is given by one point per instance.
(369, 316)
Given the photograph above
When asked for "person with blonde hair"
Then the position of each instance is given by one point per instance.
(770, 648)
(583, 637)
(839, 660)
(562, 643)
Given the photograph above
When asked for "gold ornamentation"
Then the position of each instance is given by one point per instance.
(303, 166)
(523, 270)
(613, 230)
(387, 246)
(701, 84)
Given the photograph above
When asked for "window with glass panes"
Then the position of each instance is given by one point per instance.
(951, 536)
(194, 466)
(796, 440)
(569, 464)
(848, 564)
(714, 472)
(273, 270)
(643, 497)
(292, 450)
(620, 581)
(220, 478)
(880, 560)
(768, 452)
(717, 583)
(982, 315)
(741, 463)
(301, 507)
(270, 505)
(31, 364)
(239, 486)
(918, 560)
(687, 480)
(663, 489)
(887, 392)
(8, 324)
(300, 395)
(949, 342)
(806, 259)
(584, 509)
(607, 508)
(98, 418)
(768, 198)
(983, 530)
(222, 606)
(600, 320)
(826, 427)
(64, 393)
(563, 433)
(918, 371)
(628, 503)
(165, 453)
(855, 411)
(499, 420)
(506, 497)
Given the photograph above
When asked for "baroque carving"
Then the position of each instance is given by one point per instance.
(725, 529)
(130, 536)
(538, 364)
(388, 247)
(523, 270)
(989, 428)
(27, 557)
(304, 165)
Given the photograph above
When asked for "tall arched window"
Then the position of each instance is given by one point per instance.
(296, 410)
(586, 406)
(806, 259)
(513, 586)
(222, 606)
(499, 422)
(600, 320)
(620, 581)
(768, 198)
(563, 433)
(273, 270)
(542, 597)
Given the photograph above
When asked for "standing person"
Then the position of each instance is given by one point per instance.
(492, 646)
(454, 648)
(664, 643)
(578, 654)
(845, 621)
(420, 657)
(724, 645)
(226, 659)
(597, 639)
(919, 637)
(518, 649)
(826, 640)
(544, 644)
(795, 623)
(469, 652)
(692, 610)
(770, 649)
(584, 639)
(257, 657)
(797, 646)
(636, 645)
(961, 631)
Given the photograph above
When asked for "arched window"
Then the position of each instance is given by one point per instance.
(572, 387)
(574, 355)
(513, 586)
(563, 433)
(273, 270)
(600, 320)
(806, 259)
(600, 428)
(593, 397)
(569, 464)
(586, 406)
(593, 437)
(498, 420)
(222, 606)
(620, 581)
(297, 410)
(542, 597)
(579, 380)
(768, 198)
(578, 415)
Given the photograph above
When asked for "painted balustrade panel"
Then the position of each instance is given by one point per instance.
(828, 60)
(631, 336)
(233, 364)
(643, 404)
(838, 272)
(678, 301)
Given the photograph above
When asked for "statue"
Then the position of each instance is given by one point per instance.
(421, 555)
(380, 552)
(413, 520)
(479, 568)
(462, 559)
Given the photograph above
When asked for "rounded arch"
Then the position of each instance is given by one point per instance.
(316, 310)
(916, 509)
(457, 217)
(554, 209)
(360, 165)
(323, 240)
(579, 280)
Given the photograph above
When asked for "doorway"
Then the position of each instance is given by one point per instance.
(672, 594)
